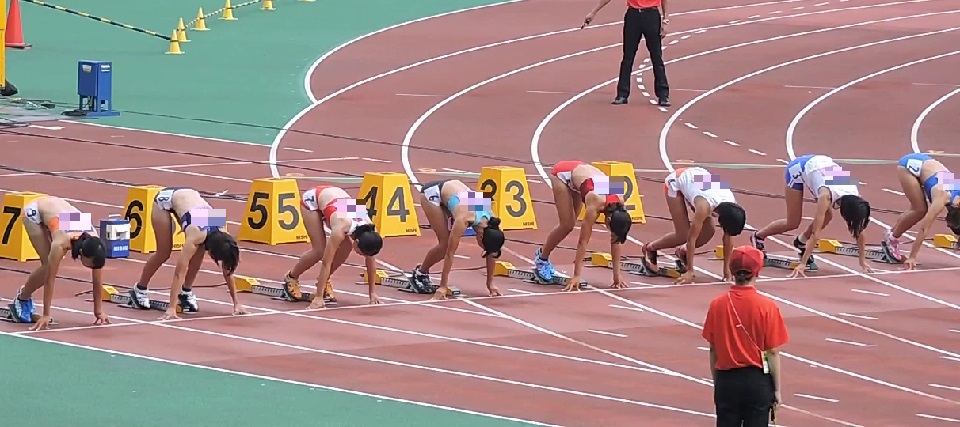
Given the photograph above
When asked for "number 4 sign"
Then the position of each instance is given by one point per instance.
(389, 203)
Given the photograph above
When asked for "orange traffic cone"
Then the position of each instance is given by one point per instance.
(15, 27)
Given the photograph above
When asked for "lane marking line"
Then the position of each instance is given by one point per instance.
(861, 291)
(613, 334)
(853, 343)
(915, 129)
(812, 397)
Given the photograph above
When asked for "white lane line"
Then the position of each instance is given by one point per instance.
(891, 191)
(613, 334)
(625, 307)
(938, 418)
(861, 291)
(915, 129)
(857, 316)
(853, 343)
(813, 397)
(947, 387)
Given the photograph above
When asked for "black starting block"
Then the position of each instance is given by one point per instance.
(603, 259)
(403, 284)
(112, 295)
(776, 261)
(6, 314)
(506, 269)
(837, 248)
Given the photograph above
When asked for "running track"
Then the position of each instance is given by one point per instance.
(751, 83)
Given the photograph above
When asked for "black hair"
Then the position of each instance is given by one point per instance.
(742, 277)
(953, 219)
(223, 248)
(856, 212)
(732, 218)
(618, 221)
(368, 240)
(493, 238)
(91, 247)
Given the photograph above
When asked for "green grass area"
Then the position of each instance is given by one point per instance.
(56, 385)
(246, 71)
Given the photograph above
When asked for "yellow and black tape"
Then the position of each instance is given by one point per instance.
(97, 18)
(220, 10)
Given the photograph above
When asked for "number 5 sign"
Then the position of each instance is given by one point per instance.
(272, 214)
(508, 188)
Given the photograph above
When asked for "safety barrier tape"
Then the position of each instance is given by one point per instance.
(100, 19)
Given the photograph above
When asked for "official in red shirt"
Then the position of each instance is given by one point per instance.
(645, 19)
(745, 331)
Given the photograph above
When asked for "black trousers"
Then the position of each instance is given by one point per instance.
(637, 24)
(743, 397)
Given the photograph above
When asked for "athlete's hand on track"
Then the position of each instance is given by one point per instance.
(441, 293)
(685, 278)
(493, 291)
(909, 264)
(317, 304)
(573, 284)
(239, 309)
(169, 315)
(374, 299)
(42, 323)
(618, 284)
(798, 272)
(102, 319)
(867, 269)
(587, 20)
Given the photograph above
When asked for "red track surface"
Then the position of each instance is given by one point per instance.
(869, 351)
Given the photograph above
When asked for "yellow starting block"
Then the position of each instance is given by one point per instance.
(776, 261)
(112, 295)
(603, 259)
(402, 284)
(835, 247)
(945, 241)
(250, 285)
(506, 269)
(6, 314)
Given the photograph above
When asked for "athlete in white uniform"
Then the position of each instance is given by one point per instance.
(703, 192)
(831, 187)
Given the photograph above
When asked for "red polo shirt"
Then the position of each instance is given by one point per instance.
(763, 327)
(642, 4)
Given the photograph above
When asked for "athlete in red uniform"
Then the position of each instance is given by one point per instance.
(327, 207)
(577, 184)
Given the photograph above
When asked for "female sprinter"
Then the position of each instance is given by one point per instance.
(831, 187)
(577, 184)
(449, 216)
(53, 239)
(930, 188)
(200, 235)
(697, 188)
(350, 230)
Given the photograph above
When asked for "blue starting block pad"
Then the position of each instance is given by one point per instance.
(6, 314)
(116, 237)
(506, 269)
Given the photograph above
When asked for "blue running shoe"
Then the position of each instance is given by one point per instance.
(544, 268)
(22, 309)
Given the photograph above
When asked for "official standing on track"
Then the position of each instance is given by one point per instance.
(745, 331)
(645, 19)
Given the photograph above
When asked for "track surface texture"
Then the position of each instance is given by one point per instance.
(752, 83)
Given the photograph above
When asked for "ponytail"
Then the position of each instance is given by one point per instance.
(89, 247)
(493, 238)
(618, 221)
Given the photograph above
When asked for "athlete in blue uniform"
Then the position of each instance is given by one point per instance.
(832, 187)
(930, 188)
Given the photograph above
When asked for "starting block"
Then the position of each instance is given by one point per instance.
(945, 241)
(775, 261)
(603, 259)
(250, 285)
(837, 248)
(402, 284)
(112, 295)
(506, 269)
(6, 314)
